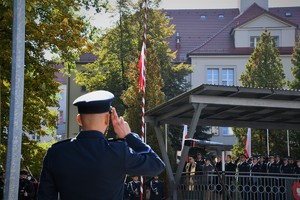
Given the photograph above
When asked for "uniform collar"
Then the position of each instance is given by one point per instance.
(90, 134)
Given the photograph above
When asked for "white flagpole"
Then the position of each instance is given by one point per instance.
(288, 141)
(166, 137)
(268, 146)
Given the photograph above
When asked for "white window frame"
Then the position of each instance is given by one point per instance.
(229, 131)
(255, 39)
(227, 80)
(220, 72)
(212, 80)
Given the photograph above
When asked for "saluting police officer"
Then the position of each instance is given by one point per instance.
(89, 167)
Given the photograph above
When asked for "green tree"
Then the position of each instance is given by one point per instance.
(264, 69)
(53, 26)
(116, 68)
(295, 84)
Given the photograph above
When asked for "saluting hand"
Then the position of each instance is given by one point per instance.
(121, 127)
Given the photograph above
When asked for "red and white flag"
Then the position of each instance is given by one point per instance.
(141, 65)
(184, 135)
(248, 144)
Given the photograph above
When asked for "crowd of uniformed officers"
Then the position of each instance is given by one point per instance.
(272, 164)
(247, 171)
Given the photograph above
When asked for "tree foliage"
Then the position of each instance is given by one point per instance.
(116, 68)
(53, 26)
(295, 84)
(264, 69)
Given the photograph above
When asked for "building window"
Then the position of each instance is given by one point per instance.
(227, 76)
(213, 76)
(202, 17)
(220, 76)
(221, 16)
(226, 131)
(167, 17)
(276, 40)
(254, 41)
(83, 88)
(288, 14)
(61, 117)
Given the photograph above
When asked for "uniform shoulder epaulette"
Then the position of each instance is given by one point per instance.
(62, 141)
(115, 140)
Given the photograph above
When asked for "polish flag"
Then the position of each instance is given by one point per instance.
(141, 66)
(184, 135)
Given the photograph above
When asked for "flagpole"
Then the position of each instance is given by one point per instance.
(268, 146)
(248, 143)
(288, 141)
(142, 84)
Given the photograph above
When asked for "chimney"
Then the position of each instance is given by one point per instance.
(245, 4)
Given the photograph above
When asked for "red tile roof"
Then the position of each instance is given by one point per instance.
(193, 31)
(212, 36)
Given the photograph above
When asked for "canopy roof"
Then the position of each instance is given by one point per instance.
(232, 106)
(226, 106)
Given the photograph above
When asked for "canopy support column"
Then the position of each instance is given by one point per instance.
(166, 160)
(192, 129)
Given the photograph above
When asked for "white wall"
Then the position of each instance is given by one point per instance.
(244, 4)
(201, 63)
(285, 32)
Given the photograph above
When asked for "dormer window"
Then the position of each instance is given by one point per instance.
(288, 14)
(221, 16)
(276, 40)
(202, 17)
(254, 41)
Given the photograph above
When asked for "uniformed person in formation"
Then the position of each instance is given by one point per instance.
(156, 189)
(134, 189)
(26, 187)
(90, 167)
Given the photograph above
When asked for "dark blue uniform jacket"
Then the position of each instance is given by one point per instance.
(89, 167)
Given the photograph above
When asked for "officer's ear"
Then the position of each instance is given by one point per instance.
(79, 120)
(107, 118)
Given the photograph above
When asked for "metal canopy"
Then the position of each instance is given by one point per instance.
(226, 106)
(231, 106)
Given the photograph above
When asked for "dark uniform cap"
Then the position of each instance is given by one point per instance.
(290, 158)
(207, 158)
(94, 102)
(242, 156)
(254, 157)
